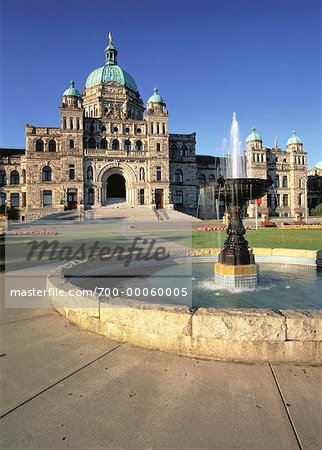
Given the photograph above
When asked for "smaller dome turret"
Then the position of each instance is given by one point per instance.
(294, 139)
(156, 97)
(71, 97)
(72, 91)
(254, 136)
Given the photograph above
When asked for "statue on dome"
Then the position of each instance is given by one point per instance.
(110, 38)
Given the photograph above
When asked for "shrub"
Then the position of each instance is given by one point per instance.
(317, 211)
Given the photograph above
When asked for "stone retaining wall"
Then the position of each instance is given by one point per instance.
(248, 335)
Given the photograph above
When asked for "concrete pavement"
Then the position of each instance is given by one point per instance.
(62, 387)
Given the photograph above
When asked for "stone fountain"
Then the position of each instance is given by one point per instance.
(236, 265)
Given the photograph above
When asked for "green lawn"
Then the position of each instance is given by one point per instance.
(302, 239)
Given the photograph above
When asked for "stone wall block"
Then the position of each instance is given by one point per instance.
(239, 324)
(303, 325)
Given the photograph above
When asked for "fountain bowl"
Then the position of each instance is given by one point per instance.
(238, 191)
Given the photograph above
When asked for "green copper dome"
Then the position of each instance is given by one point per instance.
(72, 91)
(111, 71)
(294, 139)
(156, 97)
(254, 136)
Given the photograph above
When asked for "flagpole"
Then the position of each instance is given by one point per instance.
(305, 200)
(305, 193)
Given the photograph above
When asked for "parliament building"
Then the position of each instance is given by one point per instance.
(110, 148)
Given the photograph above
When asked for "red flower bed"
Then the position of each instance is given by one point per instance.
(216, 228)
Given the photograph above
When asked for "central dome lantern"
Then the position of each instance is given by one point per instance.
(111, 71)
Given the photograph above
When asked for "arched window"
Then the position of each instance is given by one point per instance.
(46, 173)
(152, 128)
(284, 181)
(89, 175)
(158, 128)
(115, 144)
(178, 176)
(127, 145)
(3, 177)
(211, 177)
(71, 123)
(138, 146)
(39, 145)
(91, 143)
(277, 182)
(14, 177)
(104, 144)
(23, 176)
(90, 198)
(184, 150)
(77, 124)
(142, 174)
(202, 178)
(52, 145)
(163, 128)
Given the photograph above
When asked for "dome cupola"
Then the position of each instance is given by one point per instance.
(294, 139)
(254, 136)
(156, 97)
(72, 91)
(71, 97)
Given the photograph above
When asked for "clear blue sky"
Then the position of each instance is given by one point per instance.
(260, 58)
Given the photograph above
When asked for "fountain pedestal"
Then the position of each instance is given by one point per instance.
(236, 263)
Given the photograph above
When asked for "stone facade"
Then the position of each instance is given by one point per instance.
(287, 169)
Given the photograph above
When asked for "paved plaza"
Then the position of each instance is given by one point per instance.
(63, 387)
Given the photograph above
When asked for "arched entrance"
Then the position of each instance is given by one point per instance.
(115, 189)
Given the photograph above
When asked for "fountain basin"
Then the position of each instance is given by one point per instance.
(231, 334)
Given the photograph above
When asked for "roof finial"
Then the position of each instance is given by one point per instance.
(110, 38)
(276, 143)
(72, 83)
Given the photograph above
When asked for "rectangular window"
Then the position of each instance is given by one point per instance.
(159, 174)
(285, 200)
(23, 199)
(3, 198)
(178, 198)
(14, 200)
(158, 147)
(47, 198)
(71, 143)
(269, 200)
(72, 174)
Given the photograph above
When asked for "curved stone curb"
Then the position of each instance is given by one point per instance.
(245, 335)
